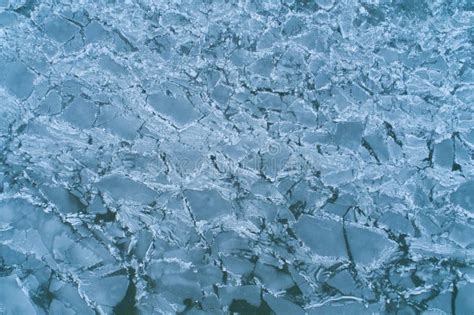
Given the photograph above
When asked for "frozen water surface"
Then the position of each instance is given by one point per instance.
(236, 157)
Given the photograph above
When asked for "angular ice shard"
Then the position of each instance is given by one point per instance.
(207, 204)
(464, 302)
(13, 299)
(59, 29)
(378, 146)
(367, 246)
(94, 32)
(17, 78)
(108, 291)
(51, 104)
(124, 188)
(444, 153)
(176, 108)
(328, 237)
(349, 134)
(464, 196)
(324, 236)
(80, 113)
(68, 299)
(64, 200)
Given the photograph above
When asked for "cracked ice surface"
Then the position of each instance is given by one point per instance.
(252, 157)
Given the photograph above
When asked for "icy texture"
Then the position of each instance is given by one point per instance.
(256, 157)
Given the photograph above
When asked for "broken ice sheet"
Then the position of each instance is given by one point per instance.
(207, 204)
(176, 108)
(200, 157)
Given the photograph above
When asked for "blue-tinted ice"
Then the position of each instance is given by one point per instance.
(236, 157)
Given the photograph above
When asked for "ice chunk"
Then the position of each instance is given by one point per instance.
(441, 303)
(8, 214)
(97, 206)
(462, 234)
(8, 18)
(209, 275)
(272, 278)
(178, 109)
(69, 295)
(51, 104)
(210, 302)
(12, 298)
(60, 29)
(108, 291)
(344, 282)
(80, 113)
(368, 246)
(322, 80)
(57, 307)
(17, 79)
(180, 287)
(207, 204)
(64, 200)
(323, 236)
(293, 26)
(469, 136)
(270, 101)
(397, 222)
(444, 153)
(221, 94)
(111, 65)
(111, 118)
(237, 265)
(464, 299)
(464, 196)
(263, 66)
(124, 188)
(230, 243)
(8, 114)
(94, 32)
(144, 239)
(379, 146)
(125, 127)
(281, 306)
(349, 134)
